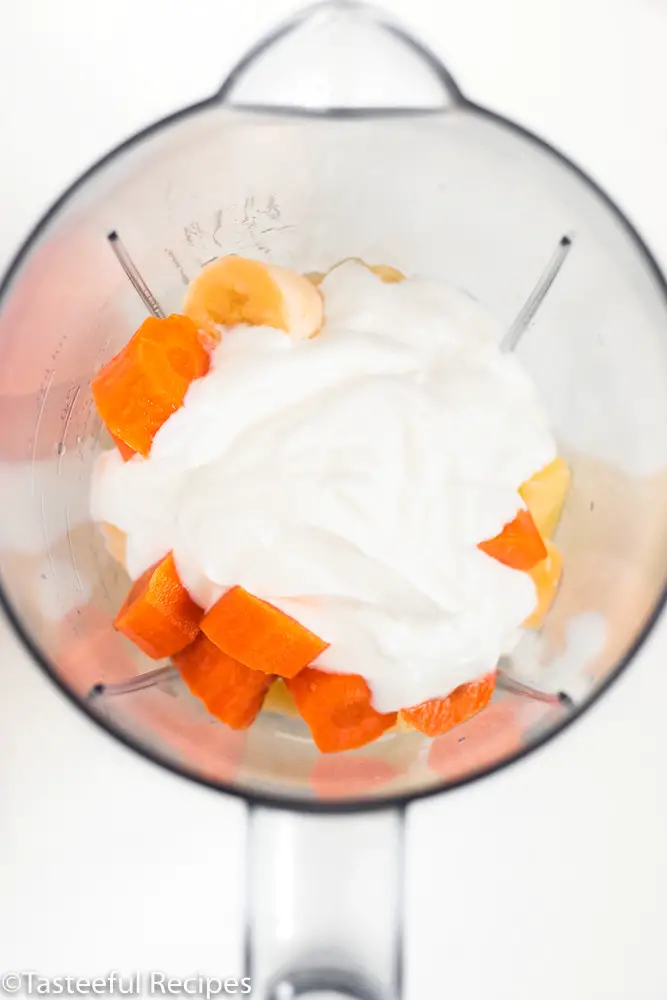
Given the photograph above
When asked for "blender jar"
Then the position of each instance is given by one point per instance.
(338, 136)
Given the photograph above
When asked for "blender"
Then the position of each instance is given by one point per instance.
(338, 136)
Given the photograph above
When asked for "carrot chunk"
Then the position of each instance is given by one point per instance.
(519, 545)
(337, 709)
(158, 614)
(125, 451)
(231, 691)
(259, 635)
(139, 389)
(437, 716)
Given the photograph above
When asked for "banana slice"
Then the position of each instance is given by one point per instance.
(389, 275)
(234, 290)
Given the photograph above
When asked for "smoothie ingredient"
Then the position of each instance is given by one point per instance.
(231, 692)
(233, 290)
(387, 274)
(437, 716)
(126, 452)
(348, 479)
(277, 485)
(519, 545)
(337, 709)
(116, 542)
(544, 495)
(280, 700)
(139, 389)
(158, 614)
(259, 635)
(546, 577)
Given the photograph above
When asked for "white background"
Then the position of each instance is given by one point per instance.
(548, 881)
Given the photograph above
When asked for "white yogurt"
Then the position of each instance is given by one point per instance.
(348, 479)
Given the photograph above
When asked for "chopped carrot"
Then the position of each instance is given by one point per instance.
(259, 635)
(338, 710)
(231, 692)
(124, 449)
(158, 614)
(437, 716)
(519, 545)
(139, 389)
(546, 577)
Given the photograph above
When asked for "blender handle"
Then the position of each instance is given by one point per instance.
(325, 903)
(340, 56)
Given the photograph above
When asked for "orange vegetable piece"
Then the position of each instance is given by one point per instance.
(231, 692)
(437, 716)
(124, 449)
(259, 635)
(139, 389)
(519, 545)
(337, 709)
(232, 290)
(544, 495)
(158, 614)
(546, 576)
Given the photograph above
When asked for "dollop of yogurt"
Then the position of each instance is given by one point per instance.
(348, 479)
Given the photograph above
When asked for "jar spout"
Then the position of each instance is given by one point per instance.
(340, 56)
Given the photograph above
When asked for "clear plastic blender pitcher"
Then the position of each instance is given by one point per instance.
(337, 136)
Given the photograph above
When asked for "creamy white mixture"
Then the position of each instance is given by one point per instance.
(348, 479)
